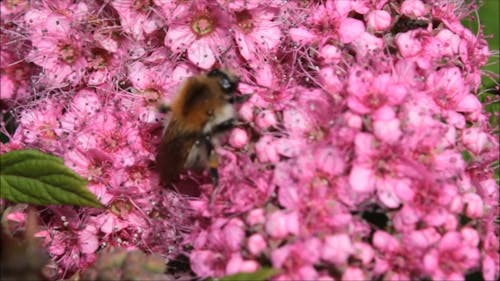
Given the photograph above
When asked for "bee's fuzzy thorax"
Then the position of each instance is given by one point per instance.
(196, 102)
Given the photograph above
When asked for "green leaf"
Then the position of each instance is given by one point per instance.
(466, 156)
(30, 176)
(488, 14)
(259, 275)
(488, 17)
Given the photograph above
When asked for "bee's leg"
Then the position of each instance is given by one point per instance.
(224, 126)
(213, 164)
(213, 160)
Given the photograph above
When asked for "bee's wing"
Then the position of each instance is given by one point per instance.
(173, 152)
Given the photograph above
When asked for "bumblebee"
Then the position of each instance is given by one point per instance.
(201, 111)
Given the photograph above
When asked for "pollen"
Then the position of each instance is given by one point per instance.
(375, 100)
(142, 5)
(244, 20)
(113, 142)
(12, 4)
(47, 131)
(98, 59)
(202, 25)
(68, 53)
(151, 96)
(121, 208)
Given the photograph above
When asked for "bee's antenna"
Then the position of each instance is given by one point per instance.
(255, 84)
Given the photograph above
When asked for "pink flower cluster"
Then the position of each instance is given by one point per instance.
(363, 151)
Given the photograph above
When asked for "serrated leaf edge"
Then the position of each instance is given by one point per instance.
(18, 157)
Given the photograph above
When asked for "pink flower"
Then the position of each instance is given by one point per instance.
(451, 258)
(234, 234)
(449, 162)
(448, 43)
(121, 217)
(39, 125)
(156, 77)
(427, 195)
(236, 265)
(362, 179)
(469, 104)
(13, 77)
(57, 48)
(378, 20)
(447, 87)
(67, 240)
(424, 238)
(83, 107)
(392, 191)
(136, 17)
(279, 224)
(266, 150)
(7, 88)
(337, 249)
(8, 8)
(384, 241)
(297, 120)
(329, 161)
(297, 260)
(387, 130)
(255, 216)
(201, 262)
(302, 35)
(266, 119)
(15, 218)
(413, 8)
(330, 53)
(373, 171)
(238, 138)
(490, 268)
(474, 205)
(246, 112)
(370, 94)
(257, 32)
(135, 179)
(353, 273)
(330, 80)
(475, 140)
(256, 244)
(102, 65)
(363, 252)
(93, 165)
(88, 239)
(202, 33)
(488, 190)
(408, 43)
(394, 259)
(368, 44)
(238, 5)
(470, 236)
(349, 152)
(349, 29)
(323, 19)
(110, 136)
